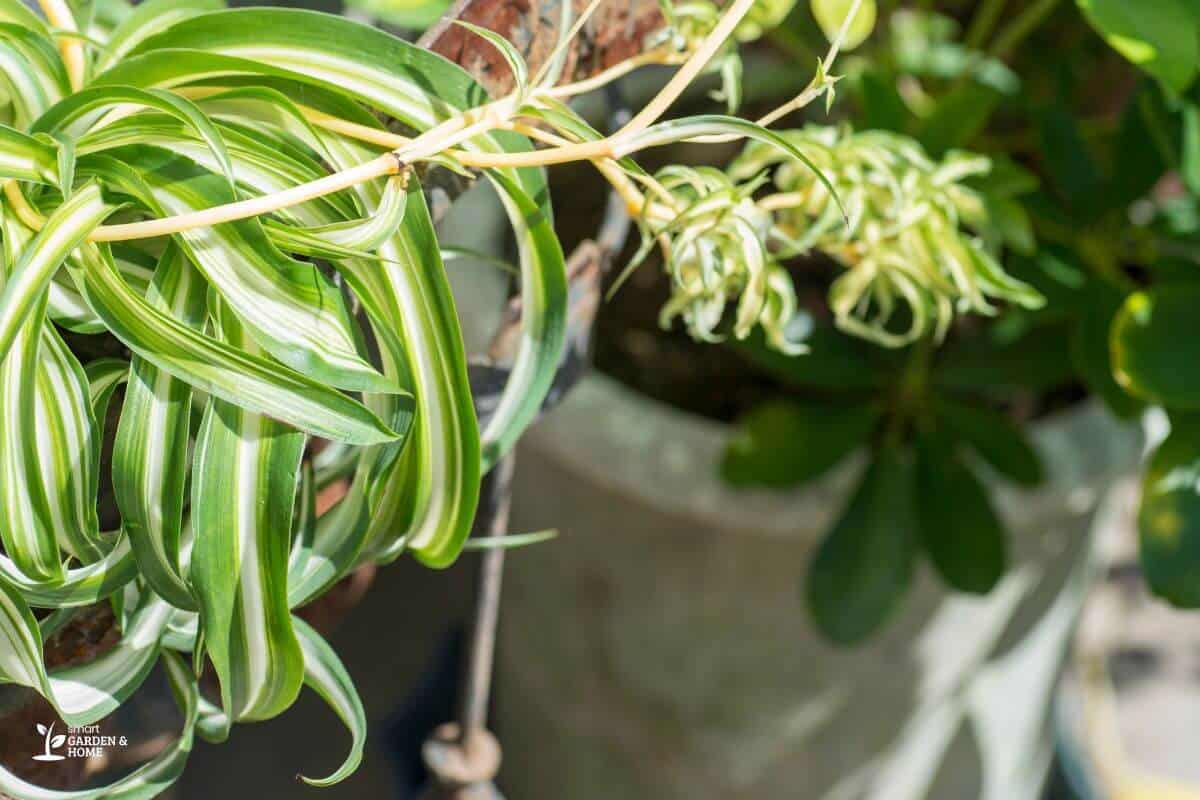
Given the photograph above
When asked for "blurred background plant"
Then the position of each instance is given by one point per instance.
(1017, 230)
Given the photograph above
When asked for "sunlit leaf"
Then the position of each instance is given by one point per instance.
(1169, 517)
(832, 16)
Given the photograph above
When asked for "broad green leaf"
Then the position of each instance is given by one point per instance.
(1039, 360)
(863, 567)
(324, 674)
(1091, 353)
(831, 15)
(1154, 337)
(1145, 145)
(786, 443)
(1011, 222)
(216, 368)
(244, 485)
(1160, 36)
(764, 16)
(150, 454)
(1077, 179)
(995, 438)
(1169, 516)
(882, 106)
(958, 527)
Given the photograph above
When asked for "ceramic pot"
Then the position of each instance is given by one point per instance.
(660, 648)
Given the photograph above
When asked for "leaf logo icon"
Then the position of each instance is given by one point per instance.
(50, 741)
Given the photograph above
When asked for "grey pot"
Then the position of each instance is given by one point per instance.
(660, 649)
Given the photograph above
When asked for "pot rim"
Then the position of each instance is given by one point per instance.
(655, 454)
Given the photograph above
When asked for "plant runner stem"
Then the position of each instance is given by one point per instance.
(688, 72)
(386, 164)
(60, 16)
(425, 145)
(442, 137)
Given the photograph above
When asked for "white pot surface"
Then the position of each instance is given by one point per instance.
(660, 647)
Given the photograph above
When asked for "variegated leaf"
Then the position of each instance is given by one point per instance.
(243, 494)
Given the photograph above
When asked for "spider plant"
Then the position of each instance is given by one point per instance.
(236, 197)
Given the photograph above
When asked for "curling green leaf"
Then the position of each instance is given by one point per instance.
(89, 101)
(28, 278)
(26, 158)
(85, 693)
(150, 454)
(243, 493)
(147, 781)
(516, 64)
(324, 674)
(214, 367)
